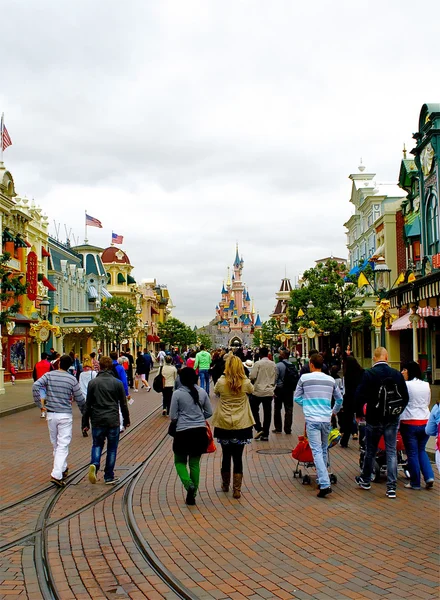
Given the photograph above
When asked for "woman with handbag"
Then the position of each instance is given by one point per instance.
(233, 421)
(190, 407)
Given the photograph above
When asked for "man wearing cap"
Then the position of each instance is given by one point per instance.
(264, 377)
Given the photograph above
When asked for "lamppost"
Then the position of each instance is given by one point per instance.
(381, 280)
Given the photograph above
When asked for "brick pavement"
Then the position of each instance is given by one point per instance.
(278, 541)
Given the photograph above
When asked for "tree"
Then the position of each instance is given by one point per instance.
(117, 320)
(257, 339)
(12, 288)
(175, 333)
(269, 331)
(327, 301)
(205, 340)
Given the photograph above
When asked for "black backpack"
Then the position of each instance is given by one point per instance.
(158, 382)
(390, 403)
(291, 377)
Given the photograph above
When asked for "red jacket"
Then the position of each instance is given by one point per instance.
(41, 367)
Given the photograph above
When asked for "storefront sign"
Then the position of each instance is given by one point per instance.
(32, 276)
(78, 320)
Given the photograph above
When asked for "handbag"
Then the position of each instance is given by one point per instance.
(158, 382)
(172, 428)
(211, 444)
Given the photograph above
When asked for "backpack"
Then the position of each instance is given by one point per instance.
(390, 402)
(291, 377)
(158, 382)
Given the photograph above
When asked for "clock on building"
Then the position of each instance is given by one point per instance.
(426, 159)
(44, 334)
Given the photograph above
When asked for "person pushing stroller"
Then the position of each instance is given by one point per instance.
(314, 393)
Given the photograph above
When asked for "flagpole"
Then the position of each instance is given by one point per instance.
(112, 239)
(1, 139)
(85, 227)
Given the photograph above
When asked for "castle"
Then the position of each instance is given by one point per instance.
(235, 313)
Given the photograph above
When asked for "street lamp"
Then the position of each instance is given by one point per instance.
(381, 280)
(44, 308)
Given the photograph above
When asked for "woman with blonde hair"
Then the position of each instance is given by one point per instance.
(86, 376)
(233, 421)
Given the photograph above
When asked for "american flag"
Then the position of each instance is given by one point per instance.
(117, 239)
(6, 140)
(92, 222)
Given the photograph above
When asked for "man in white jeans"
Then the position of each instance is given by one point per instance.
(58, 388)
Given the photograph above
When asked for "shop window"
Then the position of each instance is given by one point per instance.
(432, 225)
(416, 251)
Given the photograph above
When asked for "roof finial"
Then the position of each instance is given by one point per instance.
(361, 167)
(404, 151)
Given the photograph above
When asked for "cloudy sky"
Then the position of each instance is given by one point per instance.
(187, 126)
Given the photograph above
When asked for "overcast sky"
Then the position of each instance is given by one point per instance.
(186, 126)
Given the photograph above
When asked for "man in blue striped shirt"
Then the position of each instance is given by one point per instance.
(314, 393)
(54, 392)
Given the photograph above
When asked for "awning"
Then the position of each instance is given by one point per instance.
(121, 278)
(48, 284)
(150, 338)
(405, 323)
(130, 279)
(379, 251)
(44, 252)
(105, 293)
(428, 311)
(92, 291)
(7, 236)
(154, 311)
(413, 230)
(19, 242)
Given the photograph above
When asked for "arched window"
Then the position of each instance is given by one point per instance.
(432, 229)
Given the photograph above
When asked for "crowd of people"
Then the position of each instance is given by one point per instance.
(332, 389)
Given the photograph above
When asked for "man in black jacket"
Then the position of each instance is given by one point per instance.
(379, 421)
(105, 395)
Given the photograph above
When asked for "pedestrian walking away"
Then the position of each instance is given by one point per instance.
(53, 392)
(41, 367)
(140, 374)
(314, 392)
(148, 364)
(353, 373)
(233, 421)
(85, 378)
(203, 363)
(106, 399)
(413, 423)
(433, 429)
(384, 392)
(263, 376)
(190, 407)
(287, 378)
(169, 374)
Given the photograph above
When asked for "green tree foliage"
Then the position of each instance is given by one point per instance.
(257, 339)
(12, 287)
(175, 333)
(335, 300)
(205, 340)
(269, 331)
(117, 320)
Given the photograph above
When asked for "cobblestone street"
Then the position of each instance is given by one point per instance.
(139, 539)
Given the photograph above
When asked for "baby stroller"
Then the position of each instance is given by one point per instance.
(380, 464)
(302, 453)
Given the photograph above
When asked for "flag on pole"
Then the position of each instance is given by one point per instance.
(400, 279)
(411, 277)
(300, 313)
(5, 138)
(362, 281)
(92, 222)
(117, 239)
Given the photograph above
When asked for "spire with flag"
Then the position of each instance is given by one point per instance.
(117, 239)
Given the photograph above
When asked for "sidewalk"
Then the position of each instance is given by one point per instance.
(17, 397)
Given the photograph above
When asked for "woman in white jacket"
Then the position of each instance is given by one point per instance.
(412, 426)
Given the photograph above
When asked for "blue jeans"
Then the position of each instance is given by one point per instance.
(100, 434)
(204, 379)
(415, 438)
(317, 434)
(373, 433)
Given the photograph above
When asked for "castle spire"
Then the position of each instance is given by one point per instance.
(237, 261)
(228, 280)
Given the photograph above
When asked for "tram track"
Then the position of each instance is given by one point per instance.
(39, 536)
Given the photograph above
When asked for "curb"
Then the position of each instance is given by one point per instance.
(17, 409)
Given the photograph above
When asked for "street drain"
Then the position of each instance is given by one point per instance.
(275, 451)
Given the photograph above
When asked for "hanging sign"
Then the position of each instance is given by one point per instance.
(32, 276)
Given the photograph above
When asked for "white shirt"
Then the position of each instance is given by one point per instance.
(84, 379)
(161, 357)
(419, 400)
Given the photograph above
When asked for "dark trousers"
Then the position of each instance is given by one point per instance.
(166, 398)
(255, 402)
(346, 425)
(130, 376)
(232, 452)
(286, 400)
(100, 434)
